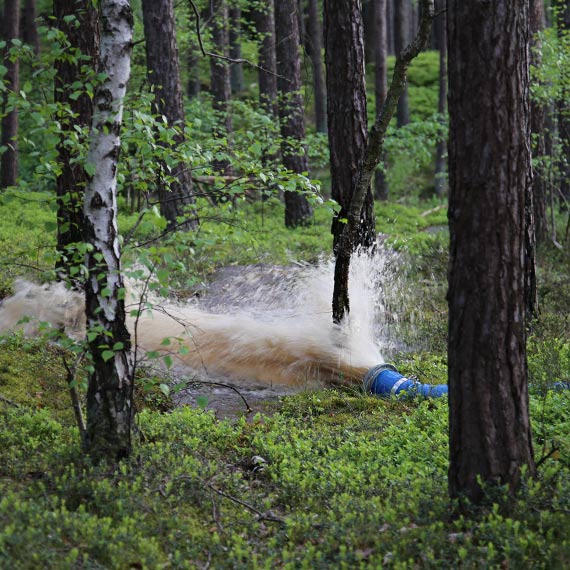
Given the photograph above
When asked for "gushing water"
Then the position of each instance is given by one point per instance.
(271, 325)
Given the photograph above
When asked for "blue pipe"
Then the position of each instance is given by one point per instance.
(385, 380)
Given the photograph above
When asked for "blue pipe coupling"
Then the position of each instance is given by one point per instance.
(385, 380)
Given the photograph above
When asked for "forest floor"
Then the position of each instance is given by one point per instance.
(326, 479)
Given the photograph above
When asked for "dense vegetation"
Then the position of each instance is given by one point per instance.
(325, 479)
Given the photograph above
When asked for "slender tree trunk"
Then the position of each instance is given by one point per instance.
(265, 25)
(315, 40)
(193, 86)
(110, 388)
(164, 75)
(563, 111)
(348, 129)
(401, 35)
(298, 211)
(220, 82)
(441, 148)
(390, 27)
(236, 70)
(372, 155)
(380, 84)
(29, 25)
(490, 171)
(78, 20)
(9, 138)
(537, 116)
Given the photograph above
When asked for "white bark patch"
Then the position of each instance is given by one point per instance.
(100, 206)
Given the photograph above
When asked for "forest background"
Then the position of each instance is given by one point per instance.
(345, 479)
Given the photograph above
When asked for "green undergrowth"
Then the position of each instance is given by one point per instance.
(334, 480)
(249, 233)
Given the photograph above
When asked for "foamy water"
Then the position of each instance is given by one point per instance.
(275, 330)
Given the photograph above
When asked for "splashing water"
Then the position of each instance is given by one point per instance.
(271, 325)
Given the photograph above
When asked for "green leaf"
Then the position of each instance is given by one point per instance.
(164, 389)
(106, 355)
(118, 346)
(168, 361)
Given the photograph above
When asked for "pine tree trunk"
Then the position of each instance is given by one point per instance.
(441, 148)
(348, 129)
(71, 182)
(265, 26)
(372, 155)
(9, 137)
(563, 112)
(109, 393)
(380, 84)
(236, 70)
(164, 75)
(220, 81)
(390, 27)
(489, 173)
(298, 211)
(537, 116)
(315, 40)
(193, 86)
(29, 25)
(401, 35)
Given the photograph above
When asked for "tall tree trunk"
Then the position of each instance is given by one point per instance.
(220, 82)
(401, 35)
(9, 138)
(29, 25)
(236, 70)
(110, 388)
(346, 105)
(78, 20)
(441, 148)
(372, 155)
(164, 75)
(315, 39)
(267, 77)
(298, 211)
(390, 27)
(537, 116)
(563, 111)
(193, 86)
(489, 173)
(380, 83)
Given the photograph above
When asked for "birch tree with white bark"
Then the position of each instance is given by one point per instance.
(109, 394)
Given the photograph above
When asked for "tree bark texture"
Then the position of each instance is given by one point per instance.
(380, 82)
(164, 75)
(315, 40)
(109, 393)
(82, 34)
(440, 181)
(267, 75)
(220, 80)
(236, 69)
(563, 111)
(401, 35)
(372, 155)
(489, 173)
(29, 25)
(347, 118)
(9, 137)
(298, 211)
(537, 117)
